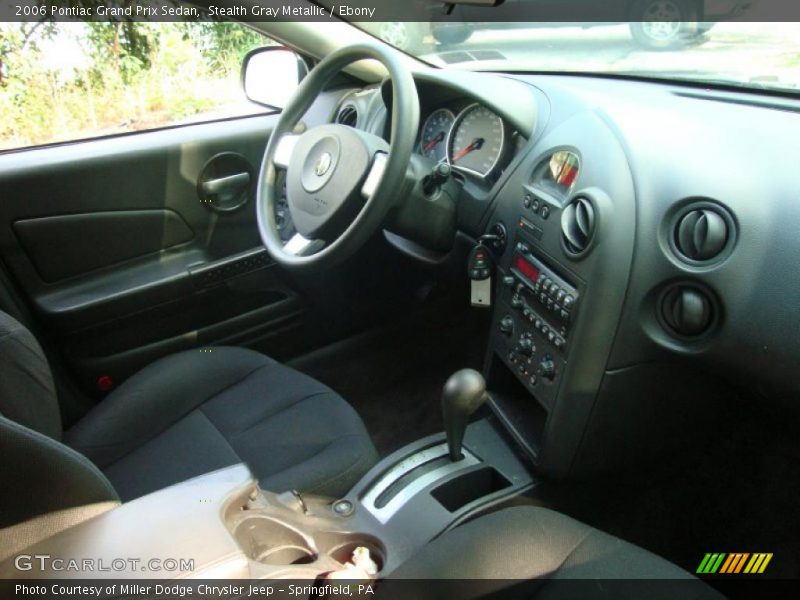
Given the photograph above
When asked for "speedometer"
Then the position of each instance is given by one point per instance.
(433, 142)
(476, 142)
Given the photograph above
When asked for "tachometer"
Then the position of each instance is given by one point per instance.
(435, 130)
(476, 141)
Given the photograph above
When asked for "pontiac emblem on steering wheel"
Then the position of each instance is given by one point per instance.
(323, 164)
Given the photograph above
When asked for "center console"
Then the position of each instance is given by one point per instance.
(418, 492)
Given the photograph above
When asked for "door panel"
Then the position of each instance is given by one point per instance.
(122, 260)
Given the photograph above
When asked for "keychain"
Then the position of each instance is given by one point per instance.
(479, 270)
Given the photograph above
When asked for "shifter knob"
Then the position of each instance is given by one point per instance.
(463, 394)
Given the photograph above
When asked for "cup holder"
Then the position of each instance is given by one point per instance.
(268, 541)
(287, 555)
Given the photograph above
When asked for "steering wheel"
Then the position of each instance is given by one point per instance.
(340, 181)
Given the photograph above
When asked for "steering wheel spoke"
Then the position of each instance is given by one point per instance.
(284, 149)
(375, 175)
(299, 245)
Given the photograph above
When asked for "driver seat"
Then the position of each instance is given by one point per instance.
(183, 416)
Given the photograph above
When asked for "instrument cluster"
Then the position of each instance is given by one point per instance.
(473, 140)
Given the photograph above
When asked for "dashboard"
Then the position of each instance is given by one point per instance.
(649, 259)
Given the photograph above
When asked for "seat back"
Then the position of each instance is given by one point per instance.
(27, 392)
(38, 474)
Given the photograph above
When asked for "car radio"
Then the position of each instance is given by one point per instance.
(536, 310)
(543, 298)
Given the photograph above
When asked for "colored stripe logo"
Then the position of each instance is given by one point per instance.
(733, 563)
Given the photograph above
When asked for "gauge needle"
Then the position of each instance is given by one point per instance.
(434, 142)
(476, 144)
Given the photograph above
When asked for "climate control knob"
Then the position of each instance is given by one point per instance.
(525, 346)
(547, 369)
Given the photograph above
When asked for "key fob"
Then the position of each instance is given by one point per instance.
(479, 270)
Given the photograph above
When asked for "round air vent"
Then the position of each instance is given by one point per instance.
(687, 311)
(701, 234)
(347, 115)
(577, 226)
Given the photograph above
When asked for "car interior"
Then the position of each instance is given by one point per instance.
(493, 327)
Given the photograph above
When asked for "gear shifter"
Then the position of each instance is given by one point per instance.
(463, 394)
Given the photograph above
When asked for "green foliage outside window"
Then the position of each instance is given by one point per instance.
(65, 81)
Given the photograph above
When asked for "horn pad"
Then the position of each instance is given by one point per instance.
(324, 179)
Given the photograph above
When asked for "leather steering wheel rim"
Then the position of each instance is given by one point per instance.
(404, 126)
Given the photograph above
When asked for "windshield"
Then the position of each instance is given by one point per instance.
(758, 55)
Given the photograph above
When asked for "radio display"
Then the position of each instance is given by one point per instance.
(527, 269)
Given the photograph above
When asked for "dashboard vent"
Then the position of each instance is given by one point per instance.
(578, 226)
(687, 311)
(347, 115)
(701, 234)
